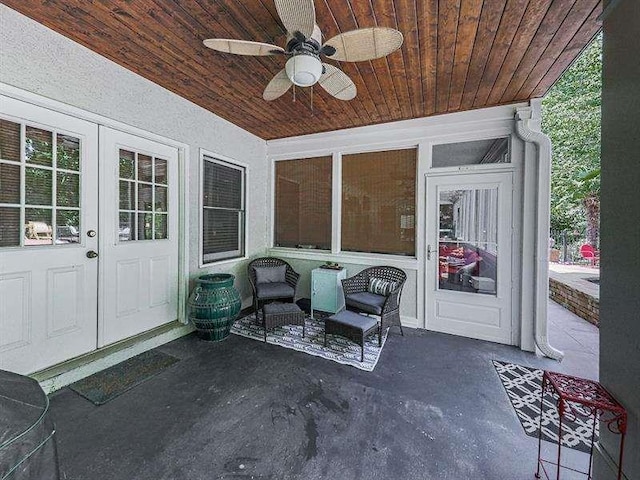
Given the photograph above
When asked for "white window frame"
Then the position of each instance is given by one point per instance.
(336, 253)
(232, 255)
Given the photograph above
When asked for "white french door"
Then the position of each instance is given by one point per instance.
(48, 236)
(139, 241)
(469, 261)
(88, 236)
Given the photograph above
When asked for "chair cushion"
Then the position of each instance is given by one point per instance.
(380, 286)
(280, 308)
(353, 320)
(366, 301)
(274, 290)
(271, 274)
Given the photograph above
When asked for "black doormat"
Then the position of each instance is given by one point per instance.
(523, 386)
(106, 385)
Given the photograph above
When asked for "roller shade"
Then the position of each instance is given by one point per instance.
(378, 202)
(303, 203)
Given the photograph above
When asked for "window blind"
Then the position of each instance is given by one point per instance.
(303, 203)
(223, 216)
(378, 202)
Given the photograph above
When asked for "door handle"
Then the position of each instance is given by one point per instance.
(428, 252)
(92, 254)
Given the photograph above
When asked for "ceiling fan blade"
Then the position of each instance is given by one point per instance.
(242, 47)
(365, 44)
(297, 16)
(278, 86)
(337, 83)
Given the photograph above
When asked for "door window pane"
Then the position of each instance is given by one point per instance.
(68, 152)
(9, 227)
(68, 226)
(9, 141)
(161, 171)
(9, 183)
(68, 190)
(145, 168)
(303, 203)
(468, 235)
(127, 195)
(378, 202)
(145, 226)
(161, 199)
(160, 226)
(39, 146)
(38, 226)
(126, 228)
(145, 197)
(38, 186)
(127, 164)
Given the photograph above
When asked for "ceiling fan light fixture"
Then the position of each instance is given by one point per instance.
(304, 70)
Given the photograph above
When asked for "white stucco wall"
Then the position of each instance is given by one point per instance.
(39, 60)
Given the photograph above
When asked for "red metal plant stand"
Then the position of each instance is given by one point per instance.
(578, 396)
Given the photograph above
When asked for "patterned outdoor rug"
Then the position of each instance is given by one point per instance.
(106, 385)
(338, 349)
(523, 386)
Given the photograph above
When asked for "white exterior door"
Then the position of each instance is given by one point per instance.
(469, 261)
(48, 226)
(139, 241)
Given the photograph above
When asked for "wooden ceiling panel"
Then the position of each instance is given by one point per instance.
(484, 40)
(457, 54)
(580, 13)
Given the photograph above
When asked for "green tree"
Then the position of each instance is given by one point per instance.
(571, 118)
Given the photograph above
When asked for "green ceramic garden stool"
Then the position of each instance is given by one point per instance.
(214, 305)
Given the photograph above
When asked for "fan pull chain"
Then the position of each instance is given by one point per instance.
(312, 100)
(294, 93)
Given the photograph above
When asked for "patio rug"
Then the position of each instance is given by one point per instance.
(338, 349)
(523, 385)
(106, 385)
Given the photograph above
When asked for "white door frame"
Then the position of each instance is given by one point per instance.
(183, 172)
(430, 286)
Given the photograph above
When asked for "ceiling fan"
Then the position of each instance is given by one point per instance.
(304, 48)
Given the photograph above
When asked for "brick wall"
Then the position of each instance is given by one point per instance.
(583, 305)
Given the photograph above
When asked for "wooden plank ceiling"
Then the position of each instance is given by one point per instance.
(457, 55)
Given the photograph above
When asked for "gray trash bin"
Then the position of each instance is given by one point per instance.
(27, 443)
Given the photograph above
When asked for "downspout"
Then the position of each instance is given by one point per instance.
(529, 131)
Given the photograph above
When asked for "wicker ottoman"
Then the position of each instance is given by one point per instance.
(279, 314)
(352, 325)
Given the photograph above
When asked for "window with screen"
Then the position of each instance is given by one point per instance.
(223, 210)
(303, 203)
(379, 202)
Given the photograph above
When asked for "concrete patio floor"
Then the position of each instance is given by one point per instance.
(434, 408)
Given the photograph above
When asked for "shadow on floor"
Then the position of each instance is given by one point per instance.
(434, 408)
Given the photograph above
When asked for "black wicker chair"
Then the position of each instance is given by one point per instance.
(273, 291)
(357, 297)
